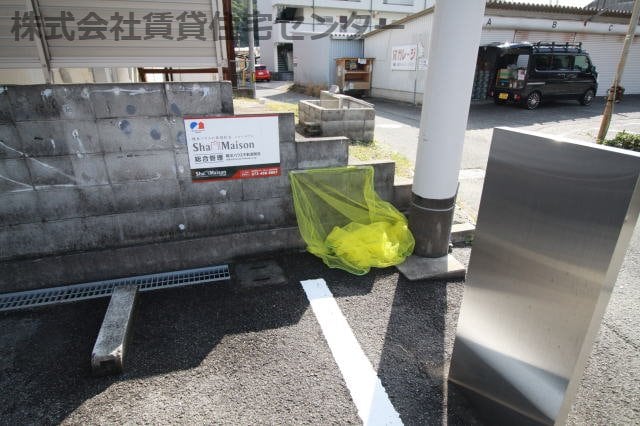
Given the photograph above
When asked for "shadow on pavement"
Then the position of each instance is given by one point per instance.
(415, 359)
(45, 352)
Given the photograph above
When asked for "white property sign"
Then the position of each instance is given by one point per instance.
(238, 147)
(403, 58)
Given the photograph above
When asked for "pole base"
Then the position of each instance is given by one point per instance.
(417, 268)
(430, 222)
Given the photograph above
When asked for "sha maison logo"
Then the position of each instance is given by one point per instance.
(196, 126)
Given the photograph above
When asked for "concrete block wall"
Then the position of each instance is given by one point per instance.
(95, 184)
(340, 115)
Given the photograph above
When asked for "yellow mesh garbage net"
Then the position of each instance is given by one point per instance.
(345, 223)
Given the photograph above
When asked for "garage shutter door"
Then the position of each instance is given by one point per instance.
(14, 54)
(495, 36)
(122, 33)
(605, 52)
(548, 36)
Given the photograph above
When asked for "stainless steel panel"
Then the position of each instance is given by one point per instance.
(554, 224)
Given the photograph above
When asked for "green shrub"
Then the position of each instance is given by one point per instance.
(625, 140)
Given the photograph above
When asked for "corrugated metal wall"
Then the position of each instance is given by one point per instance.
(124, 38)
(343, 49)
(15, 54)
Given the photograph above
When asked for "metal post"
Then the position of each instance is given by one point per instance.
(217, 40)
(228, 35)
(41, 42)
(252, 53)
(608, 108)
(453, 52)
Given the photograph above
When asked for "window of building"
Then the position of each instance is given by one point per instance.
(382, 22)
(343, 23)
(288, 14)
(399, 2)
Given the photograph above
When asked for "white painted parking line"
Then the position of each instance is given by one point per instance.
(471, 174)
(367, 392)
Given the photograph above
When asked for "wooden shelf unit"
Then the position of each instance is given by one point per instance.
(354, 74)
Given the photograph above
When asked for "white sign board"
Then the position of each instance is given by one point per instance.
(403, 58)
(238, 147)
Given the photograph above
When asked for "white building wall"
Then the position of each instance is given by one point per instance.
(397, 6)
(267, 46)
(406, 86)
(604, 50)
(375, 9)
(310, 60)
(23, 76)
(336, 13)
(69, 76)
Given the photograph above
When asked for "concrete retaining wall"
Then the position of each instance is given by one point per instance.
(339, 115)
(95, 184)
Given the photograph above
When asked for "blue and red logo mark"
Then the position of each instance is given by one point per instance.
(196, 126)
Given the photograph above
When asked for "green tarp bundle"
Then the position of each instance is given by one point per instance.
(345, 223)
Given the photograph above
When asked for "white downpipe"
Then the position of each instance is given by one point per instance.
(558, 25)
(453, 52)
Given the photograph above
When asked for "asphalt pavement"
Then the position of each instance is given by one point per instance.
(398, 124)
(230, 354)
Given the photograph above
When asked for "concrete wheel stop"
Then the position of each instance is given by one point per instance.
(417, 268)
(108, 353)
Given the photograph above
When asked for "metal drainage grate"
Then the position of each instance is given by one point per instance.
(94, 290)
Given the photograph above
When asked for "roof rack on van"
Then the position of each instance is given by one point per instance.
(560, 47)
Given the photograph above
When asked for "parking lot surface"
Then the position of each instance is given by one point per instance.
(230, 354)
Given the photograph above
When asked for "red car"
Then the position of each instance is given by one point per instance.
(262, 73)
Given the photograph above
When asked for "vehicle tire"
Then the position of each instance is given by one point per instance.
(587, 97)
(533, 100)
(268, 80)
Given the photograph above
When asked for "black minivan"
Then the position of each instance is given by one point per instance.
(528, 73)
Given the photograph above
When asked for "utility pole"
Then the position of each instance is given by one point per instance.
(452, 57)
(252, 54)
(608, 108)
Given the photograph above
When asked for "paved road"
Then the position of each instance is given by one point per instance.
(397, 126)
